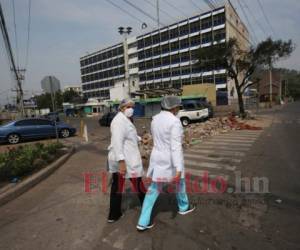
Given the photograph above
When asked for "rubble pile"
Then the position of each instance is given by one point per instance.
(197, 132)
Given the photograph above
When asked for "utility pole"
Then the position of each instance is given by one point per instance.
(271, 86)
(20, 92)
(157, 13)
(12, 61)
(125, 32)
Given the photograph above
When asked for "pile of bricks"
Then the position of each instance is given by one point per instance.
(197, 132)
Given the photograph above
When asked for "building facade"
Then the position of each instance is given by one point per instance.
(75, 88)
(166, 57)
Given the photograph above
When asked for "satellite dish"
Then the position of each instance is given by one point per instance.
(50, 84)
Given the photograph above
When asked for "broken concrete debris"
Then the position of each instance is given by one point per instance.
(195, 133)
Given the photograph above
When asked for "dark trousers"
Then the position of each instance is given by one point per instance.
(117, 188)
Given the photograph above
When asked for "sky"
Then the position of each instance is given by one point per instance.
(64, 30)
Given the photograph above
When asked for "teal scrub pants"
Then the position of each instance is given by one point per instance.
(152, 195)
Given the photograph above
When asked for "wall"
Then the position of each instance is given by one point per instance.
(207, 90)
(235, 28)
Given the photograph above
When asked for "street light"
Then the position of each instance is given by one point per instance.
(125, 32)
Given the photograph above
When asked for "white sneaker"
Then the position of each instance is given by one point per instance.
(142, 228)
(189, 210)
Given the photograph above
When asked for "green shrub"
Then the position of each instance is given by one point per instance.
(21, 161)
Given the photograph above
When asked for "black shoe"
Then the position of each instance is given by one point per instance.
(114, 220)
(142, 228)
(189, 210)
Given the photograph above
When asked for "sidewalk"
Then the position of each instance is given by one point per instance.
(57, 213)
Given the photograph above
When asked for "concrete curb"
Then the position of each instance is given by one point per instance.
(31, 181)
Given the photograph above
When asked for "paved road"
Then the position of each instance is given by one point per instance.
(58, 214)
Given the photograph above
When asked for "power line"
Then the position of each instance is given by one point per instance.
(160, 9)
(256, 20)
(210, 4)
(195, 5)
(265, 16)
(142, 11)
(247, 19)
(28, 34)
(15, 29)
(125, 11)
(175, 8)
(11, 58)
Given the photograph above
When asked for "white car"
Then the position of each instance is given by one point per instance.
(192, 111)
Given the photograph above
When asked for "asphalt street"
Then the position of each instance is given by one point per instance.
(59, 214)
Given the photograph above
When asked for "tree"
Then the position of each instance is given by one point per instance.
(240, 64)
(71, 96)
(44, 101)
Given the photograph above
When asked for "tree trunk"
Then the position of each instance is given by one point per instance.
(241, 103)
(240, 98)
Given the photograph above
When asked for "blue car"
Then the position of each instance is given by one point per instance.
(33, 128)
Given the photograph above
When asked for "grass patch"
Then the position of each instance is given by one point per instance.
(24, 160)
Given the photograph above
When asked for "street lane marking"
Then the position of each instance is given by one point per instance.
(242, 137)
(218, 159)
(219, 153)
(231, 140)
(228, 143)
(197, 172)
(221, 147)
(200, 165)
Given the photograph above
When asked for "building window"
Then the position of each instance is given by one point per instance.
(206, 38)
(166, 60)
(184, 30)
(157, 62)
(208, 79)
(219, 35)
(174, 46)
(165, 49)
(220, 79)
(195, 26)
(140, 43)
(176, 84)
(186, 81)
(206, 23)
(155, 39)
(158, 74)
(186, 70)
(184, 43)
(164, 36)
(156, 51)
(175, 59)
(219, 19)
(132, 45)
(184, 57)
(166, 73)
(148, 41)
(174, 33)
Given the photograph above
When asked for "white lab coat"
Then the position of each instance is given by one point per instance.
(124, 146)
(167, 153)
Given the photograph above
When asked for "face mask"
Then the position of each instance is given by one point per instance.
(129, 112)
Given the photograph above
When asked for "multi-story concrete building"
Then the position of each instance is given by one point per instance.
(166, 57)
(75, 88)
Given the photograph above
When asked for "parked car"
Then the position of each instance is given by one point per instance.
(106, 119)
(33, 128)
(193, 110)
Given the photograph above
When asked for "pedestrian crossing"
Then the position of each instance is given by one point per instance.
(220, 155)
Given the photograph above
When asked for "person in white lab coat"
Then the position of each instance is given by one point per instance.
(166, 160)
(124, 158)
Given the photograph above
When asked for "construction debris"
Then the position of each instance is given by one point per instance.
(197, 132)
